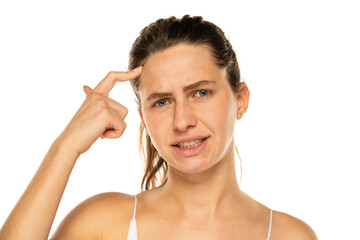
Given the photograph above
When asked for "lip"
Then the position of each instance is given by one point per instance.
(190, 152)
(188, 139)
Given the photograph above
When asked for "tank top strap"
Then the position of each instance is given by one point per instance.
(132, 232)
(270, 225)
(134, 207)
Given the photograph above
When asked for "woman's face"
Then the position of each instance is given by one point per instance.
(188, 107)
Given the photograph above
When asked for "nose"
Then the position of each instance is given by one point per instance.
(183, 117)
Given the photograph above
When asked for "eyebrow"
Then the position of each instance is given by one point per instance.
(157, 95)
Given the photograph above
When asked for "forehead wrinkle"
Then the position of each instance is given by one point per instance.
(182, 59)
(197, 84)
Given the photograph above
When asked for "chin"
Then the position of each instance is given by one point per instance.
(191, 165)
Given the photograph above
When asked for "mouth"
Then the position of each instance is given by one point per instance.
(190, 147)
(190, 144)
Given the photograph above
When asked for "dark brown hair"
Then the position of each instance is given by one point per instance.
(166, 33)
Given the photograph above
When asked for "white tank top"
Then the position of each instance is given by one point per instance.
(132, 233)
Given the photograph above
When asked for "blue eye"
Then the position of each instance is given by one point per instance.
(202, 93)
(160, 103)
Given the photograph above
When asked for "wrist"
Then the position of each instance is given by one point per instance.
(65, 148)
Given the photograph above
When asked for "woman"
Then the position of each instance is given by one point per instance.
(187, 83)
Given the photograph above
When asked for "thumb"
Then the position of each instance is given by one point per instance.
(87, 89)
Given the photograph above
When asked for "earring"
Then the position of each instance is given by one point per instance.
(240, 115)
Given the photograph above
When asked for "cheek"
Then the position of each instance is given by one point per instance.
(156, 127)
(220, 114)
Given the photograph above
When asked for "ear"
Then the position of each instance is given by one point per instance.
(242, 98)
(142, 119)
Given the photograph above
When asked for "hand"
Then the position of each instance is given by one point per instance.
(99, 115)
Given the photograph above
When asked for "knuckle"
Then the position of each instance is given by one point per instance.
(116, 75)
(121, 123)
(95, 95)
(111, 74)
(100, 103)
(125, 111)
(123, 128)
(104, 114)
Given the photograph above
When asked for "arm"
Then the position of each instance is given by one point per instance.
(103, 216)
(34, 213)
(98, 116)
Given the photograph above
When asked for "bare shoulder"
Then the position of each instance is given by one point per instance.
(285, 226)
(102, 216)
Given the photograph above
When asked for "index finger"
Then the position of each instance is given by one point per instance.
(113, 77)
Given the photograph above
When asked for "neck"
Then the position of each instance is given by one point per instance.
(206, 194)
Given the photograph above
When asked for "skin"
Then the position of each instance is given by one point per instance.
(193, 182)
(201, 199)
(98, 116)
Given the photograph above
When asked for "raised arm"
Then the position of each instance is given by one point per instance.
(98, 116)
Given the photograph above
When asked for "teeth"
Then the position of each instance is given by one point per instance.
(190, 144)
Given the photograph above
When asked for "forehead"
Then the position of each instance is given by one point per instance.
(179, 65)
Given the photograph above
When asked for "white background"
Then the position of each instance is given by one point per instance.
(299, 140)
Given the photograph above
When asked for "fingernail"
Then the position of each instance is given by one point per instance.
(137, 69)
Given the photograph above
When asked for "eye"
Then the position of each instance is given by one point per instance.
(202, 93)
(160, 103)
